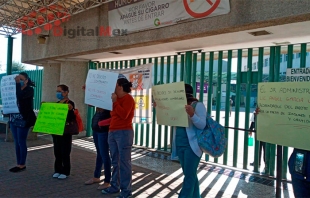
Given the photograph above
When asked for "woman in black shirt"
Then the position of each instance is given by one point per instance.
(22, 121)
(63, 144)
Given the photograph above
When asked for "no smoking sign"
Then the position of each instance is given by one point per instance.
(209, 5)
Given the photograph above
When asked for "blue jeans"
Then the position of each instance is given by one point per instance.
(120, 142)
(20, 137)
(189, 162)
(103, 155)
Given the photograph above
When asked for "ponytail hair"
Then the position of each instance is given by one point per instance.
(125, 84)
(30, 82)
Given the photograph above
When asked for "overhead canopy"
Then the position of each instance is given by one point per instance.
(23, 15)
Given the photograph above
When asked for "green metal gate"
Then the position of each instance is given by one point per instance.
(231, 74)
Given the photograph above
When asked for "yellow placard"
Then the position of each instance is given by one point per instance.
(51, 118)
(284, 117)
(170, 104)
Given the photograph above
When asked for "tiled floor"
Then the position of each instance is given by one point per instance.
(153, 175)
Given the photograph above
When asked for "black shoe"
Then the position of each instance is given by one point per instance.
(17, 169)
(14, 169)
(252, 164)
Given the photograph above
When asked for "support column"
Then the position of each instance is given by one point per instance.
(90, 110)
(9, 58)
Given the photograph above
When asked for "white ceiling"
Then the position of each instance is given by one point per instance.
(293, 33)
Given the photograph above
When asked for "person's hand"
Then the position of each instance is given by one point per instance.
(84, 87)
(189, 110)
(154, 104)
(70, 106)
(257, 110)
(114, 97)
(17, 79)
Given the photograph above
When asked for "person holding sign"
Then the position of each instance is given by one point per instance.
(100, 126)
(63, 144)
(185, 144)
(22, 121)
(121, 138)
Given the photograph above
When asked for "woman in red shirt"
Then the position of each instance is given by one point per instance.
(121, 139)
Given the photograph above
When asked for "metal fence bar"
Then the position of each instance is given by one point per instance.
(167, 81)
(259, 79)
(194, 74)
(210, 88)
(270, 154)
(237, 107)
(228, 105)
(219, 90)
(247, 107)
(154, 110)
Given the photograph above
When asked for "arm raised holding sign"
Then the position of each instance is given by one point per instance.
(185, 142)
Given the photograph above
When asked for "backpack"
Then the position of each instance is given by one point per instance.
(211, 139)
(78, 118)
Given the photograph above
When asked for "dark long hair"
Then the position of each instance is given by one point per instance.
(189, 94)
(125, 84)
(30, 82)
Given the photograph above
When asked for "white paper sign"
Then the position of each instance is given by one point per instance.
(8, 94)
(99, 87)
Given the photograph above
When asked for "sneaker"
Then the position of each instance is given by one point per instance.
(56, 175)
(62, 176)
(108, 191)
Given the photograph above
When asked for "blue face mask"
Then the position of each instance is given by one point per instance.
(21, 83)
(59, 96)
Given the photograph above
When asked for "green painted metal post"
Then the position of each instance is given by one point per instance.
(175, 71)
(194, 75)
(237, 107)
(182, 76)
(202, 78)
(188, 66)
(147, 143)
(142, 125)
(210, 88)
(228, 106)
(285, 148)
(260, 77)
(167, 81)
(271, 148)
(279, 147)
(247, 108)
(9, 57)
(219, 90)
(154, 110)
(303, 54)
(90, 110)
(161, 80)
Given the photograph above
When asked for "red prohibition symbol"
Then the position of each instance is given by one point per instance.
(203, 14)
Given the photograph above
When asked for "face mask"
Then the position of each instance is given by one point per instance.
(59, 96)
(21, 83)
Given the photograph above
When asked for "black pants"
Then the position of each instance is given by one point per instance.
(62, 150)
